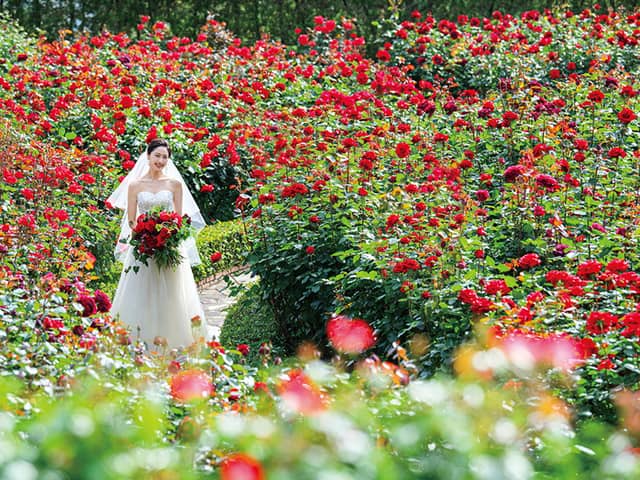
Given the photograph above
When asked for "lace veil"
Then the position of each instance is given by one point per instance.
(118, 199)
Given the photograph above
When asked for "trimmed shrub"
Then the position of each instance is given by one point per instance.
(250, 320)
(225, 238)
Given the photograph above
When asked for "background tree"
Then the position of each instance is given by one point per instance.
(249, 19)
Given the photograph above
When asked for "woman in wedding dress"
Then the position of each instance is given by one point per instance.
(161, 306)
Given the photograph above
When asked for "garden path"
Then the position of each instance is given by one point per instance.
(216, 298)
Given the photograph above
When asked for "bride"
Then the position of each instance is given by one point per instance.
(159, 305)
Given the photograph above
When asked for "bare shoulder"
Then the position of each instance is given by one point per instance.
(134, 186)
(176, 186)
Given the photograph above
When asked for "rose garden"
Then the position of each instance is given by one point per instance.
(444, 236)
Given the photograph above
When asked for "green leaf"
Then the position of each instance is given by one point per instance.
(631, 368)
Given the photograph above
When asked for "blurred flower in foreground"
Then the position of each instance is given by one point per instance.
(301, 394)
(549, 411)
(525, 350)
(383, 373)
(629, 406)
(191, 384)
(350, 335)
(240, 466)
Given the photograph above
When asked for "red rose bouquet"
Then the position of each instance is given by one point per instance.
(158, 234)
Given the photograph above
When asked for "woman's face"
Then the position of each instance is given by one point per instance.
(158, 158)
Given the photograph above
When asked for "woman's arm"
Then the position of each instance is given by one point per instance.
(177, 197)
(132, 204)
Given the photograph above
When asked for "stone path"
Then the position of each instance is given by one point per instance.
(215, 298)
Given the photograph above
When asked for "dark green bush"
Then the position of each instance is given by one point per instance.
(250, 320)
(294, 273)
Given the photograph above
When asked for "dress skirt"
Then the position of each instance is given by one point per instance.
(155, 302)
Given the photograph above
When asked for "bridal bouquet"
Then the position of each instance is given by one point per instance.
(158, 234)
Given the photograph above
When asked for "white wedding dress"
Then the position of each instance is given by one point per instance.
(156, 302)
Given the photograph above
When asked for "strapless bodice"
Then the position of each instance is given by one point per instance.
(149, 200)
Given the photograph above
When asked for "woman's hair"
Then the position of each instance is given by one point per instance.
(157, 143)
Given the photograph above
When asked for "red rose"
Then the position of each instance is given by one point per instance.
(392, 220)
(590, 267)
(529, 260)
(383, 56)
(290, 191)
(513, 172)
(509, 117)
(403, 150)
(482, 195)
(215, 257)
(300, 394)
(617, 152)
(310, 250)
(607, 363)
(617, 265)
(27, 193)
(493, 287)
(103, 303)
(303, 40)
(241, 467)
(350, 335)
(601, 322)
(165, 216)
(191, 384)
(581, 144)
(52, 323)
(547, 182)
(596, 96)
(626, 115)
(586, 347)
(88, 304)
(243, 348)
(631, 322)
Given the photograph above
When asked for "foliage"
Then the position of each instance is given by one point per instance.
(428, 208)
(225, 238)
(424, 201)
(364, 424)
(13, 41)
(255, 18)
(292, 277)
(129, 425)
(250, 321)
(457, 52)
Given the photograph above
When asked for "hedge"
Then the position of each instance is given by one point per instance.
(226, 238)
(251, 321)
